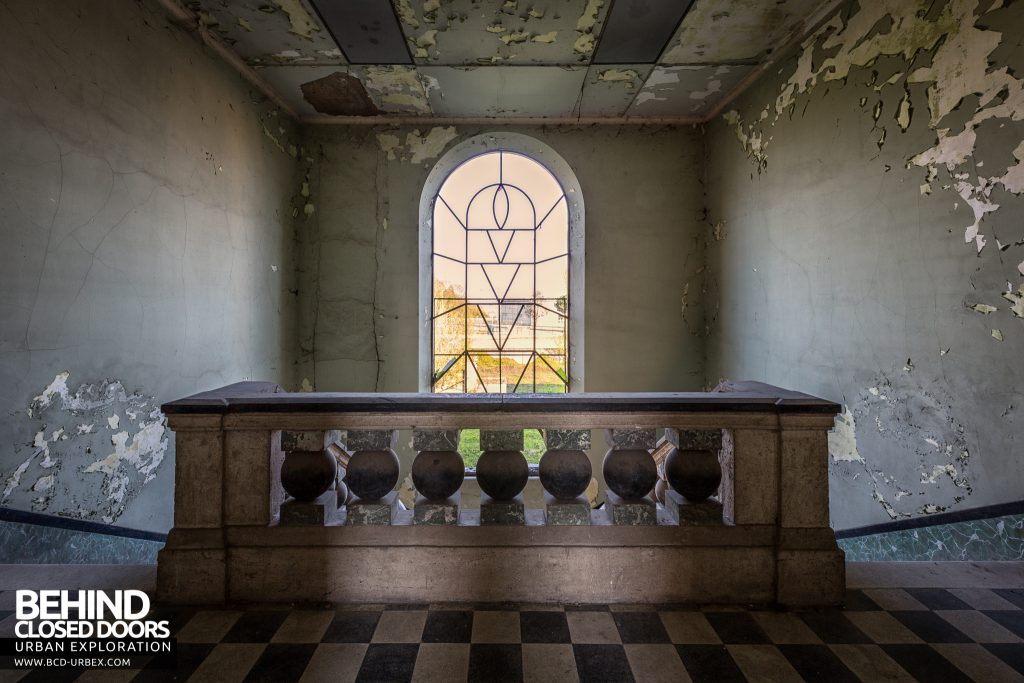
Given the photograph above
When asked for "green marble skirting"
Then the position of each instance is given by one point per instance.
(996, 538)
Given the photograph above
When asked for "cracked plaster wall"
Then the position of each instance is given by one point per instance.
(144, 210)
(848, 184)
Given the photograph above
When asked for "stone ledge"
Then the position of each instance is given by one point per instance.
(576, 574)
(596, 535)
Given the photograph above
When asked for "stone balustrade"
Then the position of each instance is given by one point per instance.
(292, 497)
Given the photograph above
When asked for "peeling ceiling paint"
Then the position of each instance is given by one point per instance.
(720, 41)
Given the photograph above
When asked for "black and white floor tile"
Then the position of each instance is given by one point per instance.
(924, 634)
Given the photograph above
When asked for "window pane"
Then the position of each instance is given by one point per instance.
(510, 299)
(553, 278)
(520, 248)
(449, 237)
(465, 180)
(480, 248)
(450, 329)
(553, 234)
(532, 178)
(449, 279)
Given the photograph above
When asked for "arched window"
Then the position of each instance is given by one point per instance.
(501, 301)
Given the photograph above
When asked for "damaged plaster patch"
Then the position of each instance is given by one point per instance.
(659, 84)
(842, 440)
(750, 138)
(629, 77)
(81, 471)
(299, 20)
(397, 88)
(339, 94)
(417, 147)
(1016, 299)
(584, 44)
(901, 415)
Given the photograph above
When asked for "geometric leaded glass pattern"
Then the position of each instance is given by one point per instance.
(500, 273)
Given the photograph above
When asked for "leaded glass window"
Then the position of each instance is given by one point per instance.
(500, 273)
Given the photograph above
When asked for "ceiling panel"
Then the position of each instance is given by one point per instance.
(507, 58)
(610, 88)
(636, 31)
(279, 32)
(367, 31)
(503, 90)
(686, 90)
(464, 32)
(717, 31)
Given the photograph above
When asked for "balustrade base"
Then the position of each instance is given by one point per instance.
(324, 510)
(373, 512)
(685, 512)
(502, 512)
(643, 512)
(574, 512)
(437, 513)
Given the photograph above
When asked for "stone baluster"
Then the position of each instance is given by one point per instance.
(565, 474)
(630, 473)
(308, 474)
(371, 476)
(502, 473)
(694, 473)
(437, 474)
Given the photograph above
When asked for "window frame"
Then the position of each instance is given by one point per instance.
(557, 166)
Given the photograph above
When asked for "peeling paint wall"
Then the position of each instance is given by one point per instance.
(144, 194)
(871, 187)
(645, 237)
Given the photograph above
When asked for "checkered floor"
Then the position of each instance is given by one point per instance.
(927, 634)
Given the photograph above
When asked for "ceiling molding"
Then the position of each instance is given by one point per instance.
(392, 120)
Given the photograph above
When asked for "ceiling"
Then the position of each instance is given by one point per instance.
(354, 60)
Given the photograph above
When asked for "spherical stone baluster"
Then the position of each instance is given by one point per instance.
(305, 475)
(692, 469)
(437, 475)
(373, 469)
(693, 473)
(502, 470)
(502, 475)
(629, 472)
(372, 474)
(565, 474)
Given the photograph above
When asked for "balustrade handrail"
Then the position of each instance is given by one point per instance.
(266, 397)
